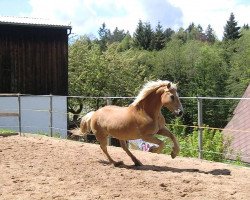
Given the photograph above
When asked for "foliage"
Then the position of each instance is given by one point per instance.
(143, 36)
(210, 36)
(158, 41)
(104, 34)
(215, 145)
(239, 75)
(118, 64)
(231, 30)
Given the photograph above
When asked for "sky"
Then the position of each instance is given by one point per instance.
(86, 16)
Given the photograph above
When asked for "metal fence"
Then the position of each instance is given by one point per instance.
(197, 108)
(43, 114)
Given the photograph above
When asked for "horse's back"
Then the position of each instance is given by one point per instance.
(112, 115)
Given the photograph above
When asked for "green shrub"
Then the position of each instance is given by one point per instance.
(214, 144)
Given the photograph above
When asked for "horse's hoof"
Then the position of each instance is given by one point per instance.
(119, 163)
(173, 155)
(137, 164)
(153, 149)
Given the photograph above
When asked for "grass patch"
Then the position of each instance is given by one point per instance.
(7, 132)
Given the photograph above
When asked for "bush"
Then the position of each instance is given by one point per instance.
(215, 145)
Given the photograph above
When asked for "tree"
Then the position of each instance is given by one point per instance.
(143, 35)
(159, 38)
(209, 33)
(148, 36)
(245, 27)
(181, 34)
(104, 35)
(231, 30)
(240, 66)
(126, 43)
(117, 36)
(168, 34)
(139, 35)
(195, 32)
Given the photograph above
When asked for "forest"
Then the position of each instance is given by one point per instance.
(119, 63)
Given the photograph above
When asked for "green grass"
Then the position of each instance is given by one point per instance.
(6, 131)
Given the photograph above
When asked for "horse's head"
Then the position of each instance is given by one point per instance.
(170, 99)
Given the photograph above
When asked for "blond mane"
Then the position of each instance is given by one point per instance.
(149, 87)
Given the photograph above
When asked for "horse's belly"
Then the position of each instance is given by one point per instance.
(123, 129)
(124, 134)
(121, 124)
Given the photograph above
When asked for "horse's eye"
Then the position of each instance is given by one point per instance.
(172, 97)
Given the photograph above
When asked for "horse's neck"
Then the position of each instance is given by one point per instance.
(152, 105)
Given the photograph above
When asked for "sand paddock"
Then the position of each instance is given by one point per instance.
(47, 168)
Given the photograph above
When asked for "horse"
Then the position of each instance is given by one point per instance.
(142, 119)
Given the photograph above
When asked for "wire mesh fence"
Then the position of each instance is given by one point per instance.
(205, 119)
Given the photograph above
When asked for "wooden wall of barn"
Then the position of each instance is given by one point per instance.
(33, 60)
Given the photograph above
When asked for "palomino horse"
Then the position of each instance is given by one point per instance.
(142, 119)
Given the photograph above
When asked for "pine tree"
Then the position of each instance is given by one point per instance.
(231, 30)
(210, 36)
(159, 38)
(143, 35)
(148, 36)
(195, 32)
(104, 34)
(245, 27)
(117, 35)
(139, 35)
(168, 34)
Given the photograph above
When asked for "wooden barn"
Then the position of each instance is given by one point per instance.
(33, 56)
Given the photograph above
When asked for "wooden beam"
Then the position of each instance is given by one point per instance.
(6, 114)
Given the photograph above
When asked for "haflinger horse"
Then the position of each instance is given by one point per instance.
(140, 120)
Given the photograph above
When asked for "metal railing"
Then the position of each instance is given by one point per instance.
(200, 126)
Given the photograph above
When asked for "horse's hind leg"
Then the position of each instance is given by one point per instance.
(103, 144)
(125, 148)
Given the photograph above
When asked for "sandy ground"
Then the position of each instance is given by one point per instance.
(46, 168)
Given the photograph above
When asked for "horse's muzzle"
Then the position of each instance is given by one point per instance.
(178, 112)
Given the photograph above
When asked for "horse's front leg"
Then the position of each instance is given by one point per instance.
(154, 140)
(176, 149)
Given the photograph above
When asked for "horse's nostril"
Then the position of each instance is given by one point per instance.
(179, 114)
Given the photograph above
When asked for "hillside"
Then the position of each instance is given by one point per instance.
(47, 168)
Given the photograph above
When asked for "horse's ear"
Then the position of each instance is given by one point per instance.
(169, 85)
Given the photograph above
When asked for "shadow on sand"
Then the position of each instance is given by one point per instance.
(216, 172)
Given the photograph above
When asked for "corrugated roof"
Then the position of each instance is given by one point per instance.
(28, 21)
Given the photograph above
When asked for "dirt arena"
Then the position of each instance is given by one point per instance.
(47, 168)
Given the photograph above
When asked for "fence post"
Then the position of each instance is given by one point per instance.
(200, 124)
(109, 102)
(19, 115)
(50, 116)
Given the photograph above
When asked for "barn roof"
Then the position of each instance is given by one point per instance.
(32, 22)
(239, 127)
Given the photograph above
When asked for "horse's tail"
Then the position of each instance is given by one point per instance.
(85, 123)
